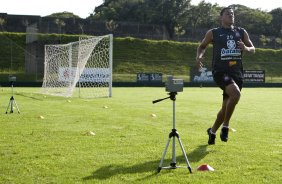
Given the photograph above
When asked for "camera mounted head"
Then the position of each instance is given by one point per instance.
(174, 85)
(12, 79)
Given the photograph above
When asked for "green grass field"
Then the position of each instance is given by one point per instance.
(46, 143)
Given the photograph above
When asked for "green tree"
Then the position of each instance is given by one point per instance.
(278, 42)
(179, 31)
(172, 12)
(60, 23)
(117, 10)
(165, 12)
(254, 20)
(204, 15)
(111, 25)
(180, 13)
(264, 40)
(276, 22)
(63, 15)
(2, 22)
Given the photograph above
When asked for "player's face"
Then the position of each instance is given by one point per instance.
(228, 17)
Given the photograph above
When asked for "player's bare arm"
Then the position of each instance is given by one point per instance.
(202, 48)
(246, 45)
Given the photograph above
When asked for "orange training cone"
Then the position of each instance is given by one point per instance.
(205, 167)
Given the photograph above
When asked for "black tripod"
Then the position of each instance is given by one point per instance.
(173, 134)
(12, 101)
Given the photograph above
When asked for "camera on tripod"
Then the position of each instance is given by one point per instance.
(12, 78)
(174, 85)
(12, 101)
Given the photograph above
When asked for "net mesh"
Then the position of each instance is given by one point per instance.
(82, 68)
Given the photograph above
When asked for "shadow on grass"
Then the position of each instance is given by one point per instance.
(108, 171)
(28, 96)
(198, 154)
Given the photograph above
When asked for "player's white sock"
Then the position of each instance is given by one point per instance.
(212, 132)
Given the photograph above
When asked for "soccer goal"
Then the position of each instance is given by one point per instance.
(82, 68)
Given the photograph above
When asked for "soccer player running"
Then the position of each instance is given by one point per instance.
(229, 43)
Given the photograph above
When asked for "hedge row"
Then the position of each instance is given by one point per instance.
(131, 55)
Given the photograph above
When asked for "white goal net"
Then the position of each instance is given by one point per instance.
(82, 68)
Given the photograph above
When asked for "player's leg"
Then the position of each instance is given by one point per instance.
(231, 96)
(234, 93)
(219, 79)
(218, 121)
(220, 116)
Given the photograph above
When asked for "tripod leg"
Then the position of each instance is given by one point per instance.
(8, 106)
(163, 156)
(184, 153)
(17, 106)
(12, 106)
(173, 160)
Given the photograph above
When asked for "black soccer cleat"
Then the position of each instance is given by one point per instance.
(224, 134)
(211, 137)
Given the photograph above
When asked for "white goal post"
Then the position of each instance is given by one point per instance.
(82, 68)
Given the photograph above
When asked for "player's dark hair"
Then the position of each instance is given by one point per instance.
(226, 8)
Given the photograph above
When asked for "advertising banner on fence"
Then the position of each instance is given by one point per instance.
(202, 75)
(67, 74)
(205, 76)
(257, 76)
(149, 77)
